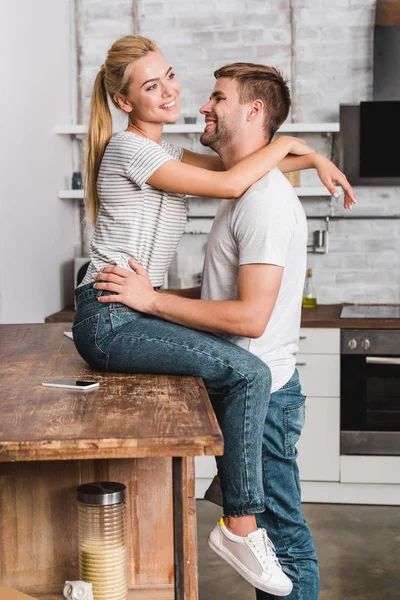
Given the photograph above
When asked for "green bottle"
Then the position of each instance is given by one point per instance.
(309, 295)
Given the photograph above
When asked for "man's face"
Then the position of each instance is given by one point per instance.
(224, 115)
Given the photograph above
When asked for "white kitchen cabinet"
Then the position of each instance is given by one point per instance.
(318, 364)
(319, 340)
(370, 469)
(319, 444)
(319, 374)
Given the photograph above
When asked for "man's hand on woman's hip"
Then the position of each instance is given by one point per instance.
(132, 288)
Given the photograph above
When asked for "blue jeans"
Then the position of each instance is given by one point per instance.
(113, 337)
(283, 518)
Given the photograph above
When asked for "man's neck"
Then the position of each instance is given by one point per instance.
(240, 148)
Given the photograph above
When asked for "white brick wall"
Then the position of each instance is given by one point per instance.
(332, 46)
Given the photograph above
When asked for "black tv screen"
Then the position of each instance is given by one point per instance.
(379, 134)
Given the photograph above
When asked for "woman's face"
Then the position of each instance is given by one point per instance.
(155, 90)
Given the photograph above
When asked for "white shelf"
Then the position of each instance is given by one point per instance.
(199, 128)
(71, 194)
(310, 128)
(310, 191)
(71, 129)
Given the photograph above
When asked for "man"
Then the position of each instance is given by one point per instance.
(254, 272)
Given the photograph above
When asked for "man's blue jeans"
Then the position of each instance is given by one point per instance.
(112, 337)
(283, 518)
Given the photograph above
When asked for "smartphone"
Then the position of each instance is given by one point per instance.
(72, 384)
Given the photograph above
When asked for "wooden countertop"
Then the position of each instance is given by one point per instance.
(328, 315)
(129, 416)
(324, 315)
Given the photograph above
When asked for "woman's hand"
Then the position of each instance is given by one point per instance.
(132, 288)
(329, 174)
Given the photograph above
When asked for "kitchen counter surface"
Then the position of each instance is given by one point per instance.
(328, 315)
(324, 315)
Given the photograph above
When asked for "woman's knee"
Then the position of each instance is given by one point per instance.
(257, 370)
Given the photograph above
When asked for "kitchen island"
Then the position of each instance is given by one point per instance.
(139, 430)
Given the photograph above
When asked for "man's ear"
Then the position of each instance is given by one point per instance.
(255, 109)
(123, 103)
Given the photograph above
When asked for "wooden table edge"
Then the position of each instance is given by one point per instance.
(13, 451)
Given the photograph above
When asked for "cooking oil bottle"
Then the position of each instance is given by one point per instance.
(309, 294)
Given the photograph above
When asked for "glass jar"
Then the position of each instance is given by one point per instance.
(102, 544)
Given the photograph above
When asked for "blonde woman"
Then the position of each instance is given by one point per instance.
(135, 185)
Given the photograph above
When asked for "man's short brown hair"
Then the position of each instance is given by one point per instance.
(259, 82)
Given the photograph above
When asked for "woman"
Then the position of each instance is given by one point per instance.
(126, 174)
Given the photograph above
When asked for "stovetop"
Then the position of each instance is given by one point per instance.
(378, 311)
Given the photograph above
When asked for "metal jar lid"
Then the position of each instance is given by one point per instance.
(101, 492)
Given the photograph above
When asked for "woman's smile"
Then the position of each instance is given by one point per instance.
(170, 105)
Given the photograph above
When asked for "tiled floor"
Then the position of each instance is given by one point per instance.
(358, 548)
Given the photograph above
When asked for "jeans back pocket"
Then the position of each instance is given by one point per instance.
(294, 419)
(85, 339)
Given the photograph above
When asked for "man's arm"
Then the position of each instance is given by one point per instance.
(258, 288)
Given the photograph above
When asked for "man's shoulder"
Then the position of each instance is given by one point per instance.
(273, 192)
(272, 184)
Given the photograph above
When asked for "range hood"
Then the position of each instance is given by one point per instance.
(368, 129)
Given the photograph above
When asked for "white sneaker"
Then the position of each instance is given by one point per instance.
(253, 556)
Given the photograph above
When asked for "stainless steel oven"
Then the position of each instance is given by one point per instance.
(370, 391)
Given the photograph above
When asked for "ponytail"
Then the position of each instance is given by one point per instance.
(99, 134)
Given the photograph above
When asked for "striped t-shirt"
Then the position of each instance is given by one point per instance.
(136, 220)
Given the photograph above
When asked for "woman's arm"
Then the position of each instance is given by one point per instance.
(328, 173)
(211, 162)
(291, 162)
(179, 177)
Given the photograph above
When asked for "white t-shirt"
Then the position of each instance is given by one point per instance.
(136, 220)
(266, 225)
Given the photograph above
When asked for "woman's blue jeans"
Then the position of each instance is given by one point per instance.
(112, 337)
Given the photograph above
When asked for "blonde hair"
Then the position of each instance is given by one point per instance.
(113, 78)
(264, 83)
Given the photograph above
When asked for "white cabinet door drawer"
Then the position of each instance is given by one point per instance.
(370, 469)
(319, 374)
(319, 340)
(318, 446)
(205, 467)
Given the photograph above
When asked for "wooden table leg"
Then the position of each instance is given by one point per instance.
(179, 568)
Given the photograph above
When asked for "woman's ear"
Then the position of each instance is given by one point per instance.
(123, 103)
(255, 109)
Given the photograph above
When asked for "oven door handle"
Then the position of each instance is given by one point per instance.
(382, 360)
